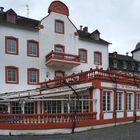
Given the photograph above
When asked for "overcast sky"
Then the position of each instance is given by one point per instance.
(117, 20)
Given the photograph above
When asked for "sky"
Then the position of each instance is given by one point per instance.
(117, 20)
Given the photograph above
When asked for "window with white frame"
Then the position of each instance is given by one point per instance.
(11, 45)
(119, 96)
(82, 104)
(16, 108)
(129, 101)
(32, 48)
(59, 26)
(83, 55)
(52, 106)
(33, 76)
(97, 58)
(137, 101)
(106, 100)
(11, 74)
(29, 108)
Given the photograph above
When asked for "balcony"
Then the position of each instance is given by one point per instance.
(57, 59)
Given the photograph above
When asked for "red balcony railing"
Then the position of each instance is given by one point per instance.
(40, 121)
(92, 74)
(62, 57)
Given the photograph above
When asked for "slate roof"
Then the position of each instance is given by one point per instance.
(120, 59)
(87, 37)
(20, 21)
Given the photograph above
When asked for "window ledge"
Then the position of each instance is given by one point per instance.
(108, 111)
(119, 110)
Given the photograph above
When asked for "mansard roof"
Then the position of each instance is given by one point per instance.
(84, 35)
(117, 56)
(120, 59)
(20, 21)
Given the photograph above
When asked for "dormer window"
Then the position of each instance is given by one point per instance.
(11, 16)
(115, 63)
(124, 65)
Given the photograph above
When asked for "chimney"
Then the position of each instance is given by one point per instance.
(85, 29)
(127, 53)
(1, 9)
(81, 27)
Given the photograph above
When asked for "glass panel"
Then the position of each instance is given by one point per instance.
(33, 76)
(11, 46)
(83, 55)
(59, 26)
(11, 75)
(32, 48)
(97, 58)
(29, 108)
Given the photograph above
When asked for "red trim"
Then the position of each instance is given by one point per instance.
(59, 46)
(33, 69)
(125, 107)
(134, 104)
(91, 97)
(37, 43)
(60, 21)
(58, 7)
(81, 49)
(63, 61)
(114, 103)
(6, 75)
(6, 47)
(100, 53)
(101, 105)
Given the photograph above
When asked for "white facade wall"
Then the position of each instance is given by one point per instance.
(22, 61)
(136, 55)
(47, 38)
(96, 104)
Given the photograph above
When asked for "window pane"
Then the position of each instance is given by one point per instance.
(16, 108)
(106, 100)
(29, 108)
(83, 55)
(33, 76)
(11, 46)
(59, 49)
(32, 49)
(59, 26)
(11, 75)
(97, 58)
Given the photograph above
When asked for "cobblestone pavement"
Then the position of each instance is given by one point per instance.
(122, 132)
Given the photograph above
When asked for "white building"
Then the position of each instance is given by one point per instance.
(33, 52)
